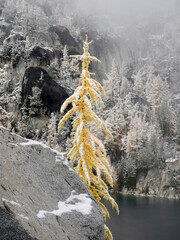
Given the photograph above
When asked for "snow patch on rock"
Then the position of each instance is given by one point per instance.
(60, 156)
(12, 202)
(22, 216)
(80, 203)
(170, 160)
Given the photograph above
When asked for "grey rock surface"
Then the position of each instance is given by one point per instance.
(35, 182)
(160, 182)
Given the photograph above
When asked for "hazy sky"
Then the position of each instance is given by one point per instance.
(124, 11)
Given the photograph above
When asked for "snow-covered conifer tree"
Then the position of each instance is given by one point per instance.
(112, 84)
(35, 101)
(124, 86)
(52, 134)
(65, 67)
(74, 67)
(138, 84)
(108, 87)
(157, 91)
(127, 104)
(116, 123)
(137, 133)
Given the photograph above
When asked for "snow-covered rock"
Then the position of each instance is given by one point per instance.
(42, 193)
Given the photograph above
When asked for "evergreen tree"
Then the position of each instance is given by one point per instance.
(127, 105)
(157, 91)
(112, 84)
(138, 85)
(35, 101)
(137, 133)
(116, 123)
(124, 86)
(52, 134)
(158, 95)
(65, 68)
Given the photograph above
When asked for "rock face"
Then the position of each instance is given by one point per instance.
(41, 196)
(61, 36)
(105, 49)
(158, 182)
(52, 95)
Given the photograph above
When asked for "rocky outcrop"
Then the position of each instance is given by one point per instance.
(41, 196)
(61, 36)
(52, 94)
(106, 49)
(5, 29)
(41, 56)
(158, 182)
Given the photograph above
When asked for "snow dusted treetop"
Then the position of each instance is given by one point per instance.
(88, 151)
(52, 142)
(112, 84)
(65, 67)
(157, 91)
(138, 84)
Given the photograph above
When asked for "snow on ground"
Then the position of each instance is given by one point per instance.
(12, 202)
(76, 202)
(60, 156)
(13, 144)
(32, 142)
(21, 215)
(170, 160)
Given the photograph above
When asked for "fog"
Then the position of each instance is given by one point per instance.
(115, 14)
(124, 11)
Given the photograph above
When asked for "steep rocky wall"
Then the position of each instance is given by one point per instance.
(159, 182)
(43, 195)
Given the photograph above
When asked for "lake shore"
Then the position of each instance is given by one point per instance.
(133, 193)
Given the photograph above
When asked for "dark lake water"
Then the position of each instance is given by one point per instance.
(143, 218)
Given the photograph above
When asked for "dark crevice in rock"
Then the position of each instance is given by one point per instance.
(3, 187)
(67, 182)
(57, 219)
(31, 199)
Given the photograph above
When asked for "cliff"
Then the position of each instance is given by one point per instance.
(157, 182)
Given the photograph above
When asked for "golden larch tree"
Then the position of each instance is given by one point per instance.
(88, 151)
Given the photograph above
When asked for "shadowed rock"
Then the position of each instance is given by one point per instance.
(10, 228)
(52, 95)
(61, 35)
